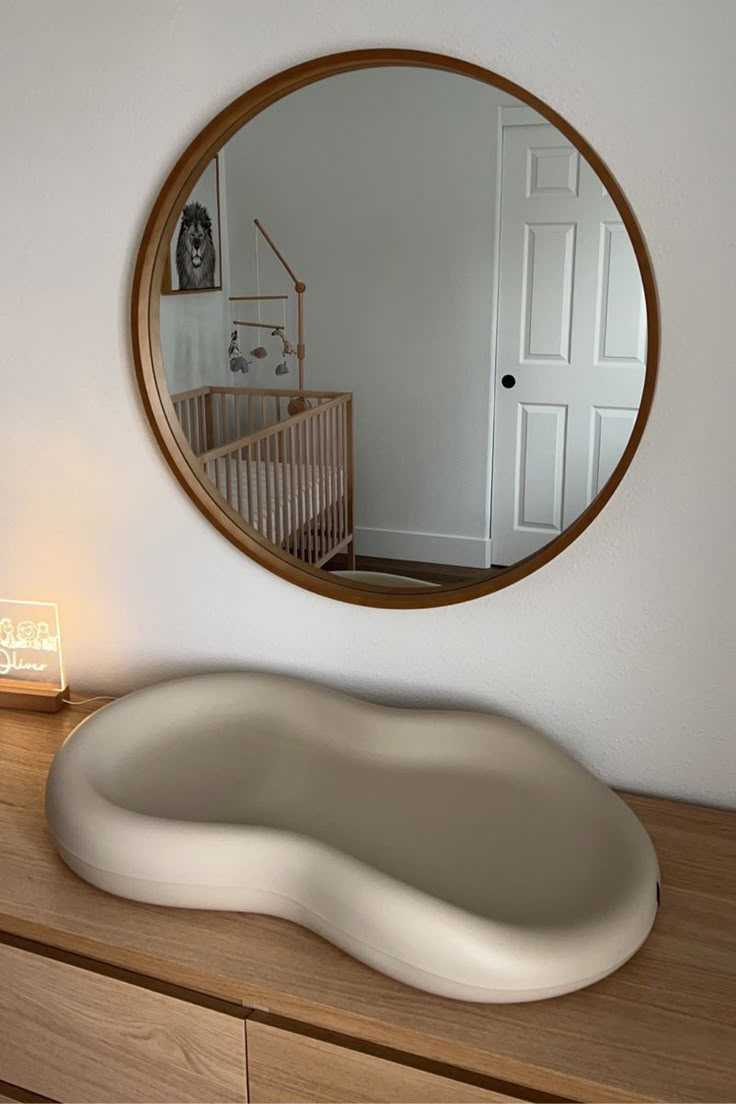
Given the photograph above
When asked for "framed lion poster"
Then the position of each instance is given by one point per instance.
(194, 262)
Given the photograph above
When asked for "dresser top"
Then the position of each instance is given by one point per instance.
(663, 1028)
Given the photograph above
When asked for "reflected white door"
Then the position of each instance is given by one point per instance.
(571, 341)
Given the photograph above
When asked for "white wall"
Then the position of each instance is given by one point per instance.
(622, 648)
(194, 339)
(380, 188)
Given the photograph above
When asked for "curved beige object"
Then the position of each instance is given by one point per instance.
(461, 853)
(382, 578)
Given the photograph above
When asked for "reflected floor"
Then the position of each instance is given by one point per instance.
(442, 574)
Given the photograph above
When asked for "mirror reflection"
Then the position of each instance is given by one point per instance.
(403, 327)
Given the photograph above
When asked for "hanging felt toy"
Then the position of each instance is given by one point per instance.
(259, 352)
(288, 349)
(238, 363)
(282, 369)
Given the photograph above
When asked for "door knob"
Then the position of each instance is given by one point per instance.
(508, 381)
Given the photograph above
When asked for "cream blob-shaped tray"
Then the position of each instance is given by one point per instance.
(461, 853)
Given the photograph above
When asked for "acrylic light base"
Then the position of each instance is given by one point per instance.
(40, 697)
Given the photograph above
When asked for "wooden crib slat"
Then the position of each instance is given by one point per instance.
(267, 477)
(327, 485)
(284, 444)
(338, 484)
(309, 523)
(333, 476)
(248, 482)
(300, 490)
(239, 479)
(286, 483)
(263, 491)
(183, 418)
(315, 491)
(320, 419)
(278, 479)
(309, 513)
(348, 482)
(341, 471)
(192, 426)
(201, 418)
(278, 483)
(321, 477)
(209, 420)
(313, 480)
(292, 494)
(298, 496)
(280, 439)
(257, 487)
(229, 477)
(327, 517)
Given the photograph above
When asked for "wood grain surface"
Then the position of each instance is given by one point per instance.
(74, 1035)
(284, 1066)
(663, 1028)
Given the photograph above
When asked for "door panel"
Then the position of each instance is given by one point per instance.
(610, 430)
(547, 301)
(622, 324)
(541, 467)
(571, 332)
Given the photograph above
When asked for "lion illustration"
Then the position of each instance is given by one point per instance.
(195, 249)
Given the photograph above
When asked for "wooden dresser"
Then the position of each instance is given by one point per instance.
(102, 999)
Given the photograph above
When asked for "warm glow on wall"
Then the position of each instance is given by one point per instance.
(31, 664)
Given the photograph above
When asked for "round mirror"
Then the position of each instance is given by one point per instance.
(395, 327)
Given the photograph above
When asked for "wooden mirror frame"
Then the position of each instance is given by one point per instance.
(145, 309)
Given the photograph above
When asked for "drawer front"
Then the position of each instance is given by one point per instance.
(11, 1094)
(284, 1066)
(74, 1035)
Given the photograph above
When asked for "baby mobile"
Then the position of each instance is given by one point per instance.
(239, 363)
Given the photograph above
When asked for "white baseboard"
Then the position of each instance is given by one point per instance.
(440, 548)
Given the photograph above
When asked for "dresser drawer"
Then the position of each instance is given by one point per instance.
(73, 1035)
(285, 1066)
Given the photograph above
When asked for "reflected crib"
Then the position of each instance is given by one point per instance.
(289, 475)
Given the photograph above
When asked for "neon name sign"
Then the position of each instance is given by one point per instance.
(30, 644)
(9, 661)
